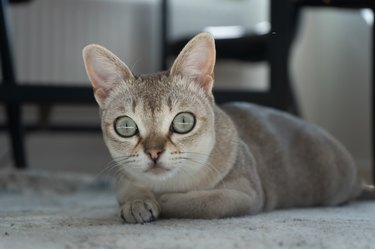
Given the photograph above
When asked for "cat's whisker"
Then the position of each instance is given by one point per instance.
(107, 168)
(118, 172)
(195, 153)
(125, 161)
(135, 63)
(115, 163)
(122, 158)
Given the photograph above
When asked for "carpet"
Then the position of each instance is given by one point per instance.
(50, 210)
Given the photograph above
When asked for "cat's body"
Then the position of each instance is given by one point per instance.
(299, 164)
(182, 156)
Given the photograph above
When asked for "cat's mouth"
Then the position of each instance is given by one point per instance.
(157, 169)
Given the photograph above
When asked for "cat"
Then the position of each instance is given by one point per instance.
(182, 156)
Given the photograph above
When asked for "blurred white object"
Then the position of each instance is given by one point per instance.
(332, 73)
(368, 15)
(228, 32)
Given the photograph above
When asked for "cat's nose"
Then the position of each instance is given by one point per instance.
(154, 153)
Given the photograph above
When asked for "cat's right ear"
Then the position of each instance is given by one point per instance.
(104, 70)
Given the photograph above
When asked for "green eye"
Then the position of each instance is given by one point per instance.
(183, 122)
(125, 126)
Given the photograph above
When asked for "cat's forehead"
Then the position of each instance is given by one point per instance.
(153, 77)
(151, 87)
(155, 93)
(161, 86)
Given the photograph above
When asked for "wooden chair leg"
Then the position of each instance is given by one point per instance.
(15, 129)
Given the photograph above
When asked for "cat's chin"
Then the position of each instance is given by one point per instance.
(157, 170)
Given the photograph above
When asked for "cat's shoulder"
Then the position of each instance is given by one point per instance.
(247, 115)
(246, 109)
(244, 113)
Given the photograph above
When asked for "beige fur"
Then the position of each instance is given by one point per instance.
(242, 159)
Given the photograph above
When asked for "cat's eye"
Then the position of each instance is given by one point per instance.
(183, 123)
(125, 126)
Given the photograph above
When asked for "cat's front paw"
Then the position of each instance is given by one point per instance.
(140, 211)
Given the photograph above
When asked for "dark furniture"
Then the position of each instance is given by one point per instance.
(272, 47)
(14, 94)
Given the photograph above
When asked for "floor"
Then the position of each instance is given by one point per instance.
(43, 210)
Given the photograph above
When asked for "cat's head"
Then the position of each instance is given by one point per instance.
(158, 126)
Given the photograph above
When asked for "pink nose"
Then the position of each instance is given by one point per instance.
(154, 153)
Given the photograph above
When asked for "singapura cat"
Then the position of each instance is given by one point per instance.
(182, 156)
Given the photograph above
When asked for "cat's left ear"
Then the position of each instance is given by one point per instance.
(104, 70)
(197, 60)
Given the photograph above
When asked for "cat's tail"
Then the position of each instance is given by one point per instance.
(368, 192)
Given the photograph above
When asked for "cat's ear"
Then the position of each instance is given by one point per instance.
(104, 70)
(197, 60)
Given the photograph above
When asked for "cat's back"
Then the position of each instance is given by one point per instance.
(265, 128)
(311, 166)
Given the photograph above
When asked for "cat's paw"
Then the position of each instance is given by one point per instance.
(140, 211)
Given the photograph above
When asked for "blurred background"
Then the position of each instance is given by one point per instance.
(330, 66)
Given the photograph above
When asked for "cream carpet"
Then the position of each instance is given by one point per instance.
(43, 210)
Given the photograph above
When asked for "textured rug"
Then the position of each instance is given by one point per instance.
(44, 210)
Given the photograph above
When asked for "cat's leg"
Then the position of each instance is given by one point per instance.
(137, 204)
(209, 204)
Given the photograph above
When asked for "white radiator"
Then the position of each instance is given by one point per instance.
(48, 36)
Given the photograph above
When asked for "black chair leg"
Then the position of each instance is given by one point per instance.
(373, 97)
(15, 129)
(292, 105)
